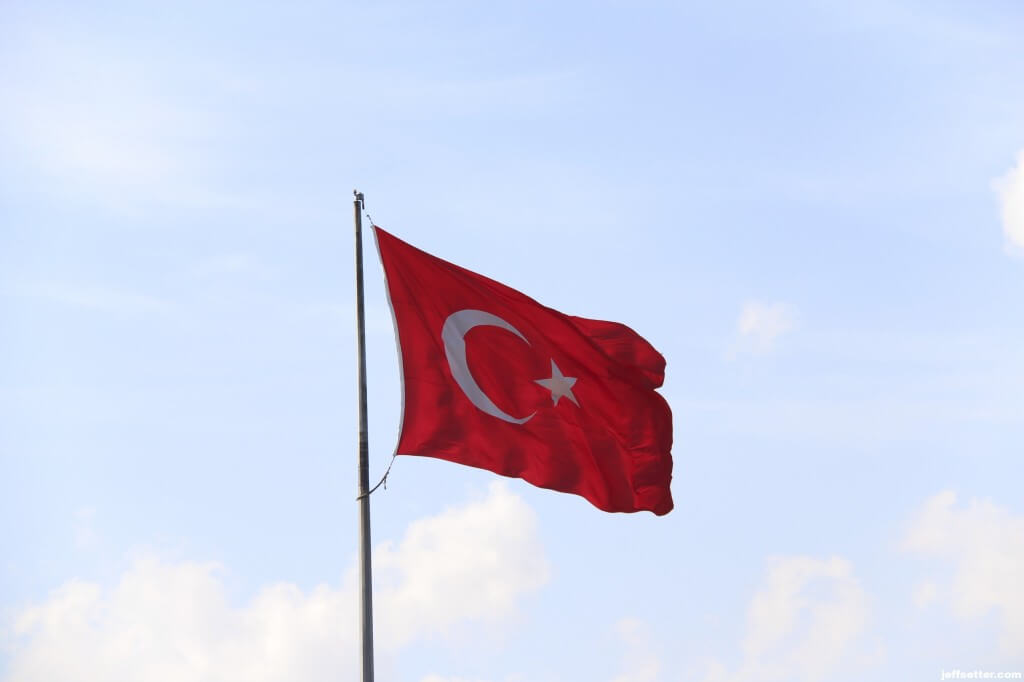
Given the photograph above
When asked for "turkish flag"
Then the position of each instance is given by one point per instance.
(495, 380)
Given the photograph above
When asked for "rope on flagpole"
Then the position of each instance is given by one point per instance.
(383, 481)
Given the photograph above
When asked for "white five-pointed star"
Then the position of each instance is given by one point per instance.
(559, 385)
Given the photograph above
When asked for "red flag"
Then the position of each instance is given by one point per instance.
(495, 380)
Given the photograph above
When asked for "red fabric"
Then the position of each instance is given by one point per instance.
(613, 448)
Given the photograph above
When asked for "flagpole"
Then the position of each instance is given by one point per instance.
(366, 579)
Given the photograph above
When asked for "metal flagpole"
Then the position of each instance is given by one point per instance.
(366, 579)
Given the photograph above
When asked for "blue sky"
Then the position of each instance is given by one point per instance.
(815, 210)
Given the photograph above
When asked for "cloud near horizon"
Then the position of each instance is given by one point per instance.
(805, 622)
(173, 621)
(985, 545)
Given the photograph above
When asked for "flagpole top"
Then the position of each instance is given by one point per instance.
(359, 197)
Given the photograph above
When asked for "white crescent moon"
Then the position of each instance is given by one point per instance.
(453, 334)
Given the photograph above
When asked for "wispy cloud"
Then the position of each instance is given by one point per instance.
(102, 126)
(426, 96)
(761, 324)
(923, 22)
(641, 664)
(95, 297)
(238, 264)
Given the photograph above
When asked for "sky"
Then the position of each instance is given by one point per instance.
(813, 209)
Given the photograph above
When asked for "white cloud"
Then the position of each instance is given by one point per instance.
(173, 621)
(1010, 189)
(803, 623)
(469, 563)
(985, 544)
(760, 324)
